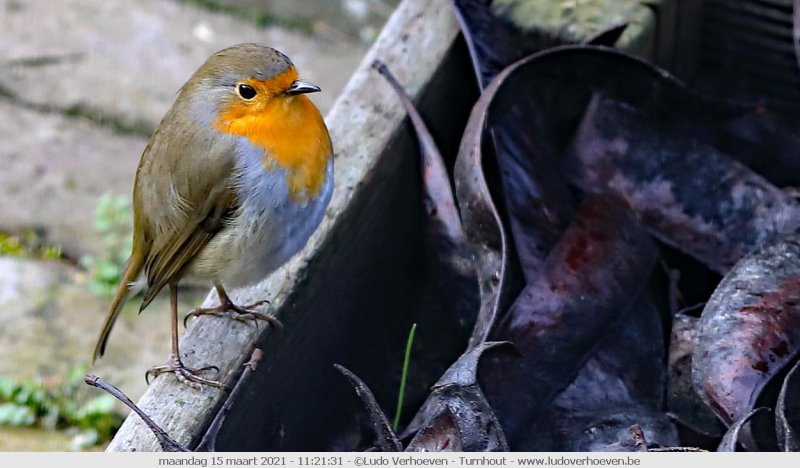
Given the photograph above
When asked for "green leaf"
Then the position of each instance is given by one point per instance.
(6, 388)
(15, 415)
(101, 405)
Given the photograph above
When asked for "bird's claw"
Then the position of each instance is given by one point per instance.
(238, 313)
(185, 375)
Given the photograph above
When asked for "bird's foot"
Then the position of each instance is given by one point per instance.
(235, 312)
(185, 375)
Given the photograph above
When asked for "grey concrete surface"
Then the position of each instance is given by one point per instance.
(123, 61)
(348, 19)
(49, 321)
(54, 170)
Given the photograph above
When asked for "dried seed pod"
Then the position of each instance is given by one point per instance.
(750, 329)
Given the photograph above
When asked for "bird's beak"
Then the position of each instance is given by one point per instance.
(301, 87)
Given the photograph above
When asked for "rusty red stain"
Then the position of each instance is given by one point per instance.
(577, 256)
(588, 239)
(787, 295)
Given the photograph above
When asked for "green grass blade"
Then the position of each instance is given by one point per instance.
(402, 393)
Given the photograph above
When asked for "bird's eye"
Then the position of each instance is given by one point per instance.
(247, 91)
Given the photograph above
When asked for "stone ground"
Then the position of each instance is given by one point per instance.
(82, 85)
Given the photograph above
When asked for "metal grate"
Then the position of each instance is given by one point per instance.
(748, 51)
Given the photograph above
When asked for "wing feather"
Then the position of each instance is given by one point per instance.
(184, 195)
(167, 265)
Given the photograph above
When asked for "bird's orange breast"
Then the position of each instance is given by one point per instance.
(291, 131)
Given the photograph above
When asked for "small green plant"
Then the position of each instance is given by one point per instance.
(27, 245)
(112, 220)
(11, 246)
(55, 405)
(401, 394)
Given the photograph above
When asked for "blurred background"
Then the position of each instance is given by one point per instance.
(83, 83)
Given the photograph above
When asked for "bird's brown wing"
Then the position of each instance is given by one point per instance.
(166, 265)
(185, 195)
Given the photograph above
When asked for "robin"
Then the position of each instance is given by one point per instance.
(231, 185)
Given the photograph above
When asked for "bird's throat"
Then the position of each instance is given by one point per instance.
(292, 134)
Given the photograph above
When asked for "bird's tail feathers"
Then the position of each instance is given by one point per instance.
(127, 287)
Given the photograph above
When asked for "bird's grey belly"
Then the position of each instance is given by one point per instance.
(270, 228)
(264, 241)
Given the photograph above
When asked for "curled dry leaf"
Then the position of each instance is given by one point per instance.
(787, 412)
(536, 196)
(717, 215)
(557, 84)
(731, 437)
(167, 443)
(385, 438)
(494, 41)
(621, 385)
(440, 206)
(608, 432)
(590, 279)
(750, 329)
(456, 415)
(532, 189)
(439, 435)
(209, 441)
(482, 224)
(763, 140)
(627, 366)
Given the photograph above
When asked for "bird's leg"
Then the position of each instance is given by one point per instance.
(184, 374)
(227, 308)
